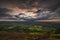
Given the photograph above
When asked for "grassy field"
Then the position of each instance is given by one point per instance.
(29, 31)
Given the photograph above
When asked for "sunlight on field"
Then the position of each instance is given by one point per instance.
(26, 31)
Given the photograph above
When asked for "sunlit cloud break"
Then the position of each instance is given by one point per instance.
(29, 10)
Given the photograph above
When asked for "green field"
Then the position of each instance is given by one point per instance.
(29, 31)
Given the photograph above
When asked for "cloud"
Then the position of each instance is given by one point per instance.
(49, 8)
(3, 12)
(57, 14)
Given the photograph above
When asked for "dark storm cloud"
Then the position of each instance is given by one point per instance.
(3, 12)
(33, 3)
(57, 14)
(51, 5)
(46, 4)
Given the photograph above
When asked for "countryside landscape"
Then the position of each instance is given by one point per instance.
(29, 19)
(29, 31)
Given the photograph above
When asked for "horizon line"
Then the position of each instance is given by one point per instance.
(34, 20)
(47, 21)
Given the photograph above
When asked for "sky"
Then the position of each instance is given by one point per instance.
(29, 9)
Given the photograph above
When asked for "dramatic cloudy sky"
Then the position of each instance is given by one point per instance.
(29, 9)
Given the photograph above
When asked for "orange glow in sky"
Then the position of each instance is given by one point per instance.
(27, 12)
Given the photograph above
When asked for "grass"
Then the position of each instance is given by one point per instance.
(23, 31)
